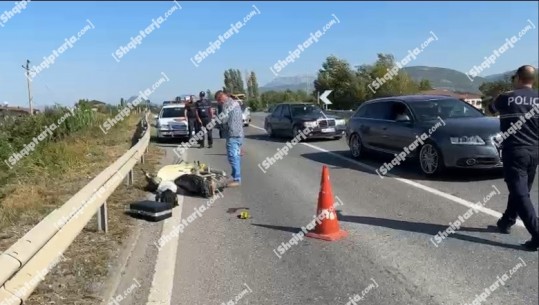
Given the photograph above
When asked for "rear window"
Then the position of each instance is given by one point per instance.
(175, 112)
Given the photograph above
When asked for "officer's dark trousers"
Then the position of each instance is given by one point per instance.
(191, 124)
(519, 165)
(205, 122)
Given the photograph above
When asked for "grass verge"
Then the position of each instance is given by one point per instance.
(75, 160)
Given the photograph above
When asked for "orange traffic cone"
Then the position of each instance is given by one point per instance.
(328, 228)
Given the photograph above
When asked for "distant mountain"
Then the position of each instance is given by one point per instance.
(282, 83)
(500, 76)
(443, 78)
(440, 78)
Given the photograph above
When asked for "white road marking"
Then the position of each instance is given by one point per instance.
(429, 189)
(163, 277)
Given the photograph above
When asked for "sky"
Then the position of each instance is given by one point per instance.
(466, 32)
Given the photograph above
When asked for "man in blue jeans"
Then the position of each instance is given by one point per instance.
(233, 129)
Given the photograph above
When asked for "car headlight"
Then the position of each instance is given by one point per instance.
(164, 127)
(497, 139)
(310, 124)
(340, 122)
(473, 140)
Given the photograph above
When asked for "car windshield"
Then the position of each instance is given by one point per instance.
(445, 109)
(299, 110)
(175, 112)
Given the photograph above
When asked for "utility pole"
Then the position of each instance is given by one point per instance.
(27, 68)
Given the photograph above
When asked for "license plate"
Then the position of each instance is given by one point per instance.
(179, 133)
(328, 129)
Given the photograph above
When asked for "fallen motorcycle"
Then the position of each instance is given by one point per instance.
(195, 178)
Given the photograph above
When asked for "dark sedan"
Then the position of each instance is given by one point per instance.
(288, 119)
(448, 132)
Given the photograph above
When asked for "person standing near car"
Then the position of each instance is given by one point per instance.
(204, 116)
(233, 124)
(520, 153)
(190, 115)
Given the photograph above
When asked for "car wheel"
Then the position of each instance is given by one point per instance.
(295, 133)
(356, 146)
(430, 160)
(269, 130)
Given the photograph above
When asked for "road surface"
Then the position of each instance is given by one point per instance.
(390, 256)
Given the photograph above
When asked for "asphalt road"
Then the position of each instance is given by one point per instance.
(389, 256)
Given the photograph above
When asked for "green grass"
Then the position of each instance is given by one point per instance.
(75, 144)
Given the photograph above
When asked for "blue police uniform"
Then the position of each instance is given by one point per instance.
(519, 122)
(203, 108)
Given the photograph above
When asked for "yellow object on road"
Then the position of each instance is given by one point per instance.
(245, 215)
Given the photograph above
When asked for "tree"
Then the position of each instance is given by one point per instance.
(238, 82)
(385, 78)
(233, 81)
(229, 84)
(425, 85)
(336, 75)
(252, 86)
(122, 102)
(490, 90)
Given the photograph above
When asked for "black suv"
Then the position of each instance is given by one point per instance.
(287, 119)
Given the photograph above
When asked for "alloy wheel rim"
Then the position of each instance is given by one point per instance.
(429, 159)
(356, 146)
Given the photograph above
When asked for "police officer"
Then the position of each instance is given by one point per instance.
(519, 117)
(190, 115)
(204, 116)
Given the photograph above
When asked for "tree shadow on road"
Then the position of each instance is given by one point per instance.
(426, 228)
(408, 170)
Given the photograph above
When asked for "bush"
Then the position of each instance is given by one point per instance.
(16, 133)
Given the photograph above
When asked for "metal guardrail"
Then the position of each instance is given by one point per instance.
(24, 265)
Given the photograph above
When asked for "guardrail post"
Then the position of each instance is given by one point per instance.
(129, 178)
(142, 159)
(102, 218)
